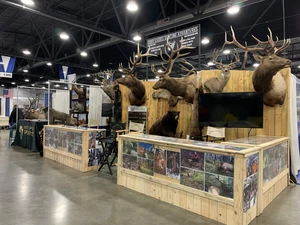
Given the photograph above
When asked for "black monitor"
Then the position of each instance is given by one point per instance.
(233, 109)
(107, 109)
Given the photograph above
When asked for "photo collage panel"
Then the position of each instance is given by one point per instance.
(145, 159)
(275, 161)
(95, 152)
(250, 191)
(130, 155)
(251, 165)
(62, 140)
(51, 138)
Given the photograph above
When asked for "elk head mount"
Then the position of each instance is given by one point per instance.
(217, 84)
(31, 113)
(136, 87)
(267, 77)
(185, 87)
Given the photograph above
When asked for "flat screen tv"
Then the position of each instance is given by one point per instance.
(233, 109)
(107, 109)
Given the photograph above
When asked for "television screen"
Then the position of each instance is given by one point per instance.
(107, 109)
(236, 109)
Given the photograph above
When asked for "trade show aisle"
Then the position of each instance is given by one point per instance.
(37, 191)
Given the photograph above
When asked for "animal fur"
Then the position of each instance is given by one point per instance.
(57, 115)
(79, 91)
(165, 94)
(109, 88)
(78, 107)
(216, 84)
(166, 125)
(195, 131)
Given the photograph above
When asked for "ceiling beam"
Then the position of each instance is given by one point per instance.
(63, 19)
(118, 18)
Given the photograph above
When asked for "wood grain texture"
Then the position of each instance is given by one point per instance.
(276, 119)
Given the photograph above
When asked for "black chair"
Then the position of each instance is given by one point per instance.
(110, 144)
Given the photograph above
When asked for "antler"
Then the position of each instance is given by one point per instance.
(191, 71)
(172, 57)
(135, 61)
(237, 60)
(215, 57)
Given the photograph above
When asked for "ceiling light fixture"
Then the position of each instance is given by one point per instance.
(32, 84)
(26, 52)
(57, 85)
(88, 75)
(205, 41)
(123, 75)
(159, 71)
(83, 54)
(2, 85)
(226, 52)
(47, 82)
(25, 71)
(137, 37)
(28, 2)
(26, 80)
(256, 64)
(120, 70)
(13, 83)
(49, 64)
(157, 77)
(43, 87)
(233, 10)
(64, 36)
(95, 65)
(132, 6)
(299, 66)
(66, 88)
(210, 63)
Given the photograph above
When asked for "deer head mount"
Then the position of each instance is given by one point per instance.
(217, 84)
(184, 88)
(32, 112)
(136, 87)
(266, 76)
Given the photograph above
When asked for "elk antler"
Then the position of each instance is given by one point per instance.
(135, 61)
(237, 60)
(172, 57)
(221, 65)
(191, 71)
(215, 57)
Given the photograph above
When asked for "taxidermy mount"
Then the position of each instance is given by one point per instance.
(165, 94)
(57, 115)
(267, 76)
(166, 125)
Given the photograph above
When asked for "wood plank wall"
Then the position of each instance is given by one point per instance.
(276, 119)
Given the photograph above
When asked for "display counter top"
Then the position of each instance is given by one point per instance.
(219, 147)
(75, 129)
(257, 140)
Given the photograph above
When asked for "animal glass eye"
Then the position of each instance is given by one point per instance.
(271, 58)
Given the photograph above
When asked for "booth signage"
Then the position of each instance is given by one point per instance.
(190, 38)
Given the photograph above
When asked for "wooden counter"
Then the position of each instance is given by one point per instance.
(73, 147)
(215, 180)
(273, 165)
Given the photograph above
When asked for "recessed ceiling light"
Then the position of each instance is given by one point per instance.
(136, 56)
(88, 75)
(137, 37)
(26, 52)
(25, 71)
(49, 64)
(13, 83)
(81, 86)
(26, 80)
(57, 85)
(233, 10)
(123, 75)
(157, 77)
(43, 87)
(47, 82)
(28, 2)
(205, 41)
(95, 65)
(256, 64)
(41, 77)
(64, 36)
(159, 71)
(226, 52)
(210, 64)
(2, 85)
(83, 54)
(120, 70)
(132, 6)
(32, 84)
(66, 88)
(299, 66)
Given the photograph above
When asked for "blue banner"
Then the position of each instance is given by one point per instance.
(64, 71)
(7, 65)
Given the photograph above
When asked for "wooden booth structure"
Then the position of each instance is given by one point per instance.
(72, 147)
(220, 181)
(238, 208)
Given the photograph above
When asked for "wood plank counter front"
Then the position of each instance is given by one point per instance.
(218, 181)
(73, 147)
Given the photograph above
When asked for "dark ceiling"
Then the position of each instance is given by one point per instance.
(105, 29)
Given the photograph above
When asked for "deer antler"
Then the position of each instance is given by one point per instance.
(135, 61)
(172, 57)
(237, 60)
(215, 57)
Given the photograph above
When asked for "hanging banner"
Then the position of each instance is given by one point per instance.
(190, 38)
(71, 79)
(64, 71)
(7, 65)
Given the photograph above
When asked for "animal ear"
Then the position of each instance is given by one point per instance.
(258, 57)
